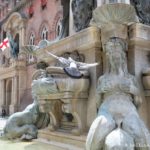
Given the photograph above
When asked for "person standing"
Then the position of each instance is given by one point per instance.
(3, 113)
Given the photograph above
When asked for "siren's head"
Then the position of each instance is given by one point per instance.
(115, 49)
(115, 44)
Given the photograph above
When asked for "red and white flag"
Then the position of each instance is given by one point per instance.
(4, 44)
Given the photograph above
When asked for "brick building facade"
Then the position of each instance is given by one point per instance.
(28, 21)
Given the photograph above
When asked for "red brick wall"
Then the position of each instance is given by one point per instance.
(48, 16)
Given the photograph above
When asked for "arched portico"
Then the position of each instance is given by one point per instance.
(9, 94)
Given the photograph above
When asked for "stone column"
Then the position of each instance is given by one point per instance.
(2, 93)
(21, 36)
(14, 102)
(15, 94)
(22, 88)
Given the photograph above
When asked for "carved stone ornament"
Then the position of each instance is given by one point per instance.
(143, 10)
(119, 13)
(75, 55)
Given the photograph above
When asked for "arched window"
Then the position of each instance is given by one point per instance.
(16, 40)
(4, 34)
(44, 33)
(31, 58)
(30, 10)
(32, 39)
(58, 27)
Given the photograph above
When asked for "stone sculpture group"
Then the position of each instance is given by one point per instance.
(118, 125)
(50, 83)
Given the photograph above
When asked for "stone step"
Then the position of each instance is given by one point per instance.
(63, 137)
(67, 127)
(59, 145)
(68, 123)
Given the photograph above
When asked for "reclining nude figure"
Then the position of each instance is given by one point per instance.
(119, 95)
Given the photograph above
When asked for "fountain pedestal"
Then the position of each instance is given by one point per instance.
(63, 97)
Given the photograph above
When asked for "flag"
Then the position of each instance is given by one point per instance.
(4, 44)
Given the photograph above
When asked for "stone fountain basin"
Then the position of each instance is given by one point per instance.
(57, 82)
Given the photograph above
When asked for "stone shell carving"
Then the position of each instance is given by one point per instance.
(113, 14)
(143, 10)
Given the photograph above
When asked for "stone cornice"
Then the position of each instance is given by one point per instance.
(12, 70)
(86, 39)
(139, 36)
